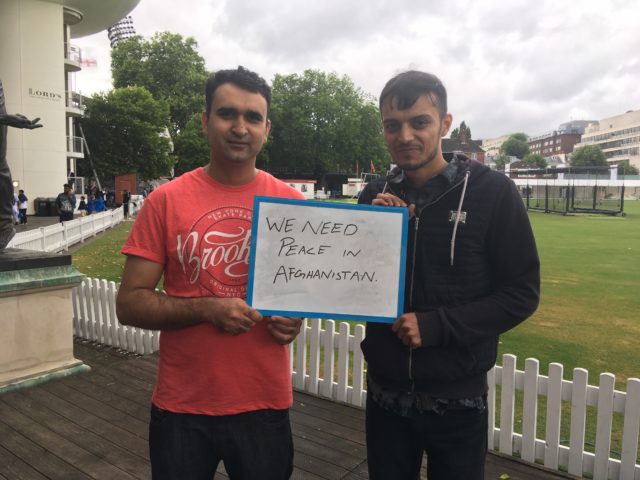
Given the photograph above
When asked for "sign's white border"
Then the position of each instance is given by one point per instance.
(394, 257)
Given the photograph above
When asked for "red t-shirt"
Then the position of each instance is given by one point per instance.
(200, 230)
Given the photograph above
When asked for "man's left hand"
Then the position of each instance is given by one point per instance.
(406, 327)
(283, 329)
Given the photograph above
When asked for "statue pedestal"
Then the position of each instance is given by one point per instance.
(36, 339)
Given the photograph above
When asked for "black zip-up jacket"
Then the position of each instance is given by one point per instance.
(468, 281)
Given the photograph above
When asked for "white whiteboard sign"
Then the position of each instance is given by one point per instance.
(327, 260)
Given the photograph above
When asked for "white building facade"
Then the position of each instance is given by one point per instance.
(618, 137)
(37, 67)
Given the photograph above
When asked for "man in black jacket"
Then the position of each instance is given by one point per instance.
(472, 273)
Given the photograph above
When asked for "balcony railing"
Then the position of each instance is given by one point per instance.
(75, 145)
(74, 100)
(72, 53)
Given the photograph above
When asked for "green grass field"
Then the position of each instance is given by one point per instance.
(589, 313)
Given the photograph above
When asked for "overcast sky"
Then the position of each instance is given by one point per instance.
(508, 66)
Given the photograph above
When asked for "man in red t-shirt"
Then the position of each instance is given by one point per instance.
(223, 390)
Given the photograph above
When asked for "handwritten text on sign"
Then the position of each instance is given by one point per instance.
(321, 259)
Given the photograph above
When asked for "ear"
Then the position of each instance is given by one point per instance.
(266, 132)
(447, 120)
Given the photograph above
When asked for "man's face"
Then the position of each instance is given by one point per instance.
(413, 135)
(67, 190)
(237, 126)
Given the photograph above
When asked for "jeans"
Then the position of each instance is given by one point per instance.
(455, 443)
(252, 445)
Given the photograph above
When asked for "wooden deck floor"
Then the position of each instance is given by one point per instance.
(94, 426)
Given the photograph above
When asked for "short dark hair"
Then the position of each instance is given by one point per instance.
(241, 78)
(407, 87)
(66, 185)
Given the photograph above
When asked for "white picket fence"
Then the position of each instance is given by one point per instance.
(329, 363)
(59, 237)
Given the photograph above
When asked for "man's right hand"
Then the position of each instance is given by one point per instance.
(233, 315)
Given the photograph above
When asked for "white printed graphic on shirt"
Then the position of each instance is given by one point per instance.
(215, 253)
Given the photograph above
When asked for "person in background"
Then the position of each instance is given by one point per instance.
(224, 384)
(22, 207)
(472, 274)
(126, 198)
(66, 204)
(91, 203)
(82, 206)
(15, 212)
(98, 204)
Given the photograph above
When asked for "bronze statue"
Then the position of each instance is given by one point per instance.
(6, 185)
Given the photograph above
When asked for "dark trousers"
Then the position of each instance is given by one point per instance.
(455, 444)
(252, 445)
(23, 216)
(66, 216)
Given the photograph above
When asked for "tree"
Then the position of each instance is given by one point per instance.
(124, 129)
(169, 67)
(323, 123)
(191, 148)
(588, 156)
(461, 134)
(625, 168)
(516, 145)
(534, 160)
(502, 161)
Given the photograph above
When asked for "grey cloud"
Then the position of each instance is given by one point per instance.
(298, 29)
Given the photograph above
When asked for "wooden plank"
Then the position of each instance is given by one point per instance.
(325, 426)
(491, 407)
(121, 375)
(603, 425)
(328, 416)
(328, 439)
(301, 357)
(318, 467)
(14, 468)
(329, 362)
(631, 427)
(333, 456)
(110, 451)
(80, 459)
(105, 412)
(507, 403)
(35, 455)
(357, 396)
(530, 409)
(314, 356)
(343, 362)
(116, 395)
(86, 420)
(554, 412)
(330, 411)
(578, 420)
(299, 474)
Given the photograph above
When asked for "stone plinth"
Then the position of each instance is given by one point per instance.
(36, 328)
